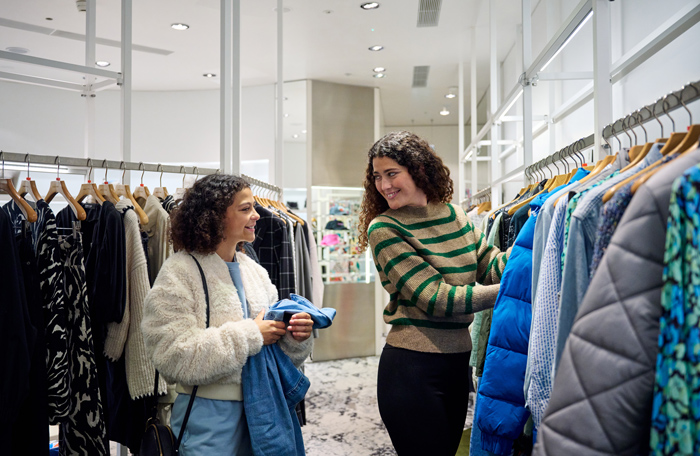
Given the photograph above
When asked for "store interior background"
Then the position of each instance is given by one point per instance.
(175, 112)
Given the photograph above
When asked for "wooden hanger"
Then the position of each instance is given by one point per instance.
(8, 188)
(58, 187)
(141, 191)
(123, 190)
(28, 186)
(89, 189)
(107, 190)
(161, 192)
(180, 192)
(690, 142)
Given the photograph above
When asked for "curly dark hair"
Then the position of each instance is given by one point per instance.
(426, 168)
(197, 225)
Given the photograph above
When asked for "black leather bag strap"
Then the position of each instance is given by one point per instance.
(194, 388)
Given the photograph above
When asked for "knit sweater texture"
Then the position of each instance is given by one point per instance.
(438, 269)
(126, 337)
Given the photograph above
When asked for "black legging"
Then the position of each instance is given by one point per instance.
(423, 400)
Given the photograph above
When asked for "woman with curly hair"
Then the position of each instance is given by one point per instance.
(438, 269)
(215, 218)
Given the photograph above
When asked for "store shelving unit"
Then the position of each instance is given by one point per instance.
(338, 253)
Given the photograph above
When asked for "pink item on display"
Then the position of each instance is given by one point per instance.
(330, 239)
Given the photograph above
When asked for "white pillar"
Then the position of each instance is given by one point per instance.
(495, 89)
(230, 87)
(88, 93)
(527, 89)
(279, 141)
(554, 87)
(474, 112)
(602, 87)
(126, 85)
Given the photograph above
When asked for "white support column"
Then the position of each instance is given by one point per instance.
(230, 88)
(474, 112)
(602, 86)
(461, 187)
(88, 92)
(553, 19)
(527, 89)
(279, 142)
(126, 85)
(496, 168)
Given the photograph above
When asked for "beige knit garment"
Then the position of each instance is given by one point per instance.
(126, 337)
(157, 228)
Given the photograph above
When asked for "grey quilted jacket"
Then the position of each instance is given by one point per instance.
(602, 396)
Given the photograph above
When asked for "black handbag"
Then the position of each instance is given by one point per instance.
(158, 440)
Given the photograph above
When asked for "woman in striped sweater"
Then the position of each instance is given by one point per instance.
(439, 270)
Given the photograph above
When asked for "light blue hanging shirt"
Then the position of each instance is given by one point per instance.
(234, 268)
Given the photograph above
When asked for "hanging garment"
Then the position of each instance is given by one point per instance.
(302, 264)
(157, 228)
(316, 276)
(126, 337)
(30, 432)
(544, 318)
(500, 407)
(16, 333)
(83, 430)
(169, 203)
(274, 251)
(602, 395)
(676, 406)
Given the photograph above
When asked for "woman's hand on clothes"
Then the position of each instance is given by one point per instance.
(300, 325)
(271, 330)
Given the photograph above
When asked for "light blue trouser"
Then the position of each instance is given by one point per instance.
(214, 427)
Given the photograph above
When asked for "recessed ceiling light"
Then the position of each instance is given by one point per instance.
(379, 70)
(179, 26)
(209, 75)
(303, 131)
(17, 50)
(379, 75)
(369, 5)
(286, 115)
(450, 95)
(102, 63)
(295, 136)
(376, 48)
(444, 112)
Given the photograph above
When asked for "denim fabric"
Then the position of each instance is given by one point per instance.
(273, 386)
(284, 309)
(213, 428)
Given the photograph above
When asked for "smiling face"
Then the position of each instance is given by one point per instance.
(240, 219)
(396, 185)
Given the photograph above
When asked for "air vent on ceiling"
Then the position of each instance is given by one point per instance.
(429, 13)
(420, 76)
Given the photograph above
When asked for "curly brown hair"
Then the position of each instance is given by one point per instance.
(197, 225)
(426, 168)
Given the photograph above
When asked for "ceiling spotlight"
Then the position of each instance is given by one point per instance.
(102, 63)
(303, 131)
(450, 95)
(295, 136)
(209, 75)
(444, 112)
(286, 115)
(379, 75)
(379, 70)
(376, 48)
(369, 5)
(179, 26)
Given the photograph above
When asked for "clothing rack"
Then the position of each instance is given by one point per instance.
(98, 163)
(262, 184)
(482, 194)
(571, 151)
(670, 102)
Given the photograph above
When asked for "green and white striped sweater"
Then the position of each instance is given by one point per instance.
(438, 269)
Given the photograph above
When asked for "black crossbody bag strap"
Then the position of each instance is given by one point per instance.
(194, 388)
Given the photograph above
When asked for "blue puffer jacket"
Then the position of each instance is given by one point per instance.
(500, 406)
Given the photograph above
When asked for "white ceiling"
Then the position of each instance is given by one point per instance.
(317, 45)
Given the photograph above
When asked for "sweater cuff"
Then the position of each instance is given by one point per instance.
(252, 334)
(484, 297)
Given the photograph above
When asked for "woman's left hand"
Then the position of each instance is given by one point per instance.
(300, 326)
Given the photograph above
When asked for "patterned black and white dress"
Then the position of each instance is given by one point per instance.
(83, 430)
